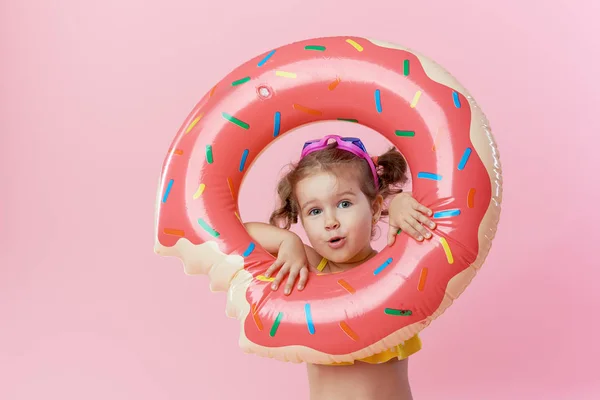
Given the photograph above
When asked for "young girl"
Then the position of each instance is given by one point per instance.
(337, 192)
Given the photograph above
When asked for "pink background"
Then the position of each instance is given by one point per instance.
(92, 94)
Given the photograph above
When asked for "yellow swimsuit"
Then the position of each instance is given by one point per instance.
(402, 351)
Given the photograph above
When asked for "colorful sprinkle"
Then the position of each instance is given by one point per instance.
(446, 213)
(209, 154)
(286, 74)
(383, 266)
(309, 319)
(415, 99)
(266, 58)
(276, 324)
(174, 232)
(471, 198)
(334, 84)
(322, 264)
(406, 67)
(306, 109)
(240, 81)
(435, 139)
(263, 278)
(402, 313)
(237, 215)
(276, 123)
(447, 250)
(235, 121)
(422, 279)
(193, 124)
(167, 191)
(429, 175)
(348, 331)
(249, 249)
(456, 99)
(177, 152)
(243, 160)
(230, 184)
(405, 133)
(464, 159)
(212, 91)
(354, 44)
(378, 100)
(348, 120)
(316, 48)
(346, 286)
(256, 318)
(207, 228)
(199, 191)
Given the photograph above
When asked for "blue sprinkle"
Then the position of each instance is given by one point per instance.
(382, 266)
(378, 100)
(264, 60)
(243, 160)
(464, 159)
(446, 213)
(456, 99)
(309, 319)
(249, 250)
(167, 191)
(429, 175)
(276, 124)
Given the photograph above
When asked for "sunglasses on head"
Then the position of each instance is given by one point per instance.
(350, 144)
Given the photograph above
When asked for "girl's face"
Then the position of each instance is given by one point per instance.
(337, 216)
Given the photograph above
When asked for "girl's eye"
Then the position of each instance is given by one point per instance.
(314, 211)
(344, 204)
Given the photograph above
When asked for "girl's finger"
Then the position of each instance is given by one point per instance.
(425, 221)
(274, 267)
(303, 278)
(280, 275)
(392, 232)
(290, 281)
(422, 209)
(412, 232)
(423, 232)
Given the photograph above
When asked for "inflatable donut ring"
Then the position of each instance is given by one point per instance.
(408, 99)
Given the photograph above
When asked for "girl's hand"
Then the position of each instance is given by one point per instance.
(291, 261)
(409, 215)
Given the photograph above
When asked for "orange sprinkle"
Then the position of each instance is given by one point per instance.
(174, 232)
(178, 152)
(256, 318)
(230, 183)
(306, 110)
(212, 91)
(334, 84)
(348, 331)
(346, 286)
(435, 139)
(471, 198)
(237, 215)
(422, 280)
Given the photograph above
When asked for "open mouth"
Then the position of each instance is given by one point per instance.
(335, 239)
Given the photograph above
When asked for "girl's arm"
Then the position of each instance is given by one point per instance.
(293, 256)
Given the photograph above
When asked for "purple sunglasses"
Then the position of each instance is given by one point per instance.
(351, 144)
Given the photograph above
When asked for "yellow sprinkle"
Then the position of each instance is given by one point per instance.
(447, 250)
(285, 74)
(238, 217)
(415, 99)
(193, 124)
(354, 44)
(264, 278)
(199, 191)
(322, 264)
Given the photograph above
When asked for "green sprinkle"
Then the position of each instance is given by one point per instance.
(235, 121)
(276, 324)
(399, 231)
(207, 228)
(209, 155)
(393, 311)
(406, 67)
(316, 48)
(405, 133)
(348, 120)
(240, 81)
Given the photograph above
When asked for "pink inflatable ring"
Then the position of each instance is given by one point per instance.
(408, 99)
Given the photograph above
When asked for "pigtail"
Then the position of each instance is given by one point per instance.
(391, 170)
(287, 213)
